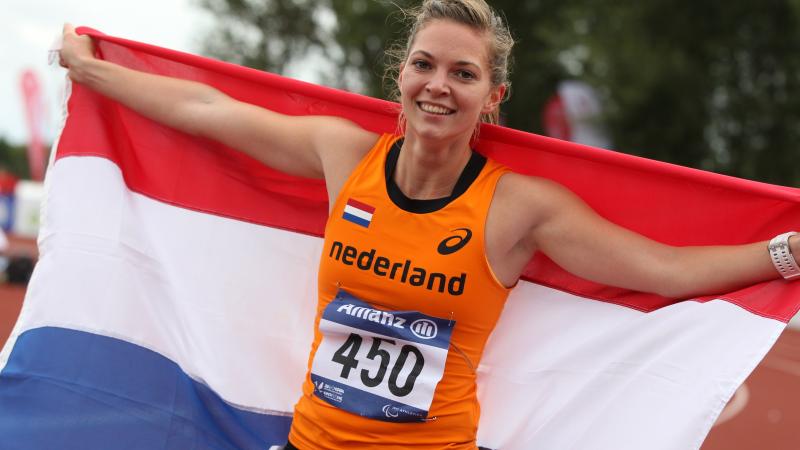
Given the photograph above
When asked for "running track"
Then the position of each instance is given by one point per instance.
(763, 415)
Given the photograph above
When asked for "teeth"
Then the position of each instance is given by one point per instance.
(433, 109)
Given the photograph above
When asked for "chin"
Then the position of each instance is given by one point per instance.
(429, 135)
(437, 133)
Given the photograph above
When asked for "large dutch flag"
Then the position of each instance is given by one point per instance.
(172, 306)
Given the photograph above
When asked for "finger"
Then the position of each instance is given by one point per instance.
(68, 28)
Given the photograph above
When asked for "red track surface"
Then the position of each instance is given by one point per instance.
(763, 415)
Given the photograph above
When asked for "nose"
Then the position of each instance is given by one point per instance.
(438, 83)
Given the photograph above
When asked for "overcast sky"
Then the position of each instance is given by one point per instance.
(30, 27)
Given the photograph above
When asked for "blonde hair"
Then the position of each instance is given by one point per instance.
(476, 14)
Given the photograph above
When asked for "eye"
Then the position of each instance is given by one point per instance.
(465, 74)
(421, 64)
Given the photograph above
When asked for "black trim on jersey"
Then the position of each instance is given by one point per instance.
(413, 205)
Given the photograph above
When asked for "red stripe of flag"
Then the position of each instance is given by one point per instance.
(362, 206)
(634, 192)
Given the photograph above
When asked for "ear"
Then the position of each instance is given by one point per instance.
(493, 100)
(400, 75)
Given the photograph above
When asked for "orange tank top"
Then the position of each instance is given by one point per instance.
(407, 301)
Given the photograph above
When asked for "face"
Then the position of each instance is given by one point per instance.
(445, 84)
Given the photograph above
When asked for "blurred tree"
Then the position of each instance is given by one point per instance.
(700, 83)
(264, 34)
(14, 159)
(364, 30)
(366, 27)
(353, 35)
(696, 82)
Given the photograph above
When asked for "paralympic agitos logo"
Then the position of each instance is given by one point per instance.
(452, 244)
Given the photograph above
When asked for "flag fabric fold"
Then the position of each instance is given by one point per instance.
(173, 302)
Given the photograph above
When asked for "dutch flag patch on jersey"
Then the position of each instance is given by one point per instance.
(358, 213)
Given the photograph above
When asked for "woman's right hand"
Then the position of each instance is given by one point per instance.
(307, 146)
(75, 50)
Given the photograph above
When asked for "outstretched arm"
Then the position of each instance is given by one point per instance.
(310, 146)
(569, 232)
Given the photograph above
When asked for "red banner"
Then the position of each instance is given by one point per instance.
(34, 112)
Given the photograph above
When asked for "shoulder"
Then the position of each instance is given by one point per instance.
(531, 191)
(340, 145)
(530, 201)
(520, 202)
(522, 205)
(342, 135)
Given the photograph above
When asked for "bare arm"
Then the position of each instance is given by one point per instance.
(310, 146)
(579, 240)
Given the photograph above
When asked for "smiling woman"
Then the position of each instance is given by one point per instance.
(478, 18)
(447, 86)
(424, 229)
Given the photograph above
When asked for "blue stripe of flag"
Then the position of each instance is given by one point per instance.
(73, 390)
(356, 219)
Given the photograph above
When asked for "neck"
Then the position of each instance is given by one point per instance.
(428, 170)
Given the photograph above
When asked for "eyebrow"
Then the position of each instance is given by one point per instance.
(458, 63)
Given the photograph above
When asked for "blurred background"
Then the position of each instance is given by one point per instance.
(701, 83)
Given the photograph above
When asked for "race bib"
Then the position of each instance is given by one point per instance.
(380, 364)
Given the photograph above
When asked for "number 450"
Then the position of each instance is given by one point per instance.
(346, 356)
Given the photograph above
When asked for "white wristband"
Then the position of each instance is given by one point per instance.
(785, 263)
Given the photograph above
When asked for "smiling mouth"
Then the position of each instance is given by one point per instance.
(435, 109)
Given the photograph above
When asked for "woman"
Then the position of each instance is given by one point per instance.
(425, 237)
